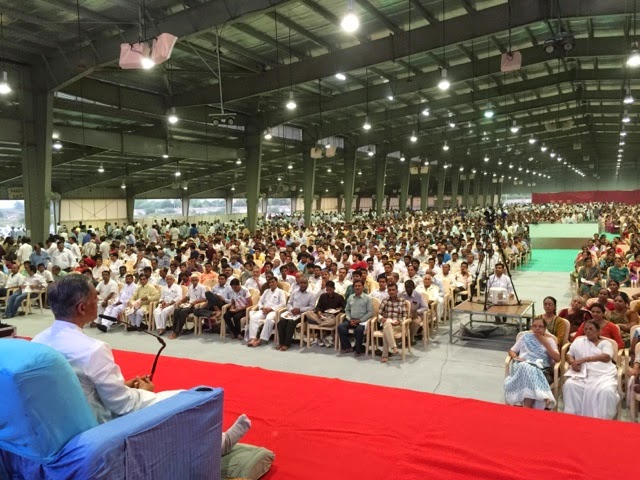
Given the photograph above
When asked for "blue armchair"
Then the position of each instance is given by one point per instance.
(46, 429)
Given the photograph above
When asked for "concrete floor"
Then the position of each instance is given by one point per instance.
(460, 370)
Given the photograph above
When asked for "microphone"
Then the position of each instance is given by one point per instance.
(158, 337)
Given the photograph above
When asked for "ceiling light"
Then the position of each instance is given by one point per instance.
(445, 166)
(511, 165)
(623, 133)
(621, 142)
(628, 98)
(426, 112)
(359, 172)
(402, 159)
(327, 145)
(291, 102)
(519, 169)
(185, 186)
(267, 134)
(484, 173)
(413, 137)
(328, 170)
(341, 76)
(5, 88)
(124, 185)
(165, 155)
(552, 154)
(486, 158)
(445, 147)
(370, 152)
(499, 162)
(177, 174)
(514, 127)
(233, 188)
(55, 135)
(101, 169)
(462, 169)
(531, 159)
(390, 98)
(625, 118)
(172, 117)
(532, 140)
(633, 60)
(147, 63)
(543, 148)
(350, 22)
(367, 125)
(452, 124)
(444, 83)
(620, 150)
(341, 182)
(238, 162)
(489, 113)
(280, 178)
(57, 145)
(290, 166)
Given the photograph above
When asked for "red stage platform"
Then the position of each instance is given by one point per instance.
(323, 428)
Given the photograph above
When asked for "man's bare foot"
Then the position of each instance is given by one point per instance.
(173, 336)
(257, 343)
(284, 348)
(384, 359)
(161, 331)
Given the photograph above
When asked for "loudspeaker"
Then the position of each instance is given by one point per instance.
(510, 61)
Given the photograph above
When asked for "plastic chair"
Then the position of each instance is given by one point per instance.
(255, 297)
(404, 334)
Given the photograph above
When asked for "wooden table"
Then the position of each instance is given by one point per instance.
(526, 310)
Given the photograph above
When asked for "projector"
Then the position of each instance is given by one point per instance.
(147, 53)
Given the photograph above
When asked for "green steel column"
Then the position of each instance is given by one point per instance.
(465, 190)
(37, 115)
(477, 180)
(405, 175)
(349, 177)
(253, 143)
(184, 200)
(455, 177)
(442, 177)
(381, 170)
(425, 174)
(130, 204)
(309, 181)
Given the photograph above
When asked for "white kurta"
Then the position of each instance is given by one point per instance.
(274, 299)
(593, 391)
(100, 378)
(171, 296)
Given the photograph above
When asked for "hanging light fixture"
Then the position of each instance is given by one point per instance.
(350, 22)
(291, 102)
(5, 88)
(359, 172)
(633, 60)
(489, 113)
(623, 133)
(514, 127)
(628, 98)
(101, 168)
(341, 76)
(239, 161)
(543, 148)
(413, 137)
(486, 158)
(445, 147)
(552, 154)
(366, 125)
(172, 118)
(267, 134)
(370, 152)
(124, 185)
(532, 140)
(426, 112)
(57, 145)
(444, 83)
(625, 118)
(233, 188)
(290, 166)
(402, 158)
(165, 155)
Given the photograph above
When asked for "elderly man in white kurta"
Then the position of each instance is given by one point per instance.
(169, 297)
(107, 290)
(270, 302)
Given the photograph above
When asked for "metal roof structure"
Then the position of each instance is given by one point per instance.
(569, 100)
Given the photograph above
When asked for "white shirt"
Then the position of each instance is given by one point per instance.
(24, 252)
(274, 299)
(341, 287)
(380, 294)
(63, 259)
(104, 249)
(15, 280)
(503, 281)
(171, 294)
(196, 293)
(106, 289)
(100, 378)
(126, 293)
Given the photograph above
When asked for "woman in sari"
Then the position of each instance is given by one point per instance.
(622, 316)
(589, 279)
(533, 353)
(619, 273)
(634, 267)
(555, 325)
(576, 313)
(591, 388)
(607, 328)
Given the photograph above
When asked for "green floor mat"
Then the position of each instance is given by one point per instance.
(551, 260)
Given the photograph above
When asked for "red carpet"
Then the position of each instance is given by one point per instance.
(323, 428)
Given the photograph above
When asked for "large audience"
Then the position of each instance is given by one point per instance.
(334, 282)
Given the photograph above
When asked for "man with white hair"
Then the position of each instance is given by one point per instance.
(169, 297)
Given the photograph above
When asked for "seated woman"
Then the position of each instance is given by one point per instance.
(580, 260)
(634, 267)
(607, 329)
(614, 288)
(603, 299)
(591, 388)
(620, 273)
(533, 353)
(622, 316)
(555, 326)
(576, 313)
(589, 279)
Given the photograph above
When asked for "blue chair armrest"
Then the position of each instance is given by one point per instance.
(179, 437)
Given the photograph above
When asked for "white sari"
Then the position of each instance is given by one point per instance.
(593, 391)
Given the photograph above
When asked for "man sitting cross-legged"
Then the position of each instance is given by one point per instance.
(262, 321)
(393, 311)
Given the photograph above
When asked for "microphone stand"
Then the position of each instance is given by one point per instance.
(160, 339)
